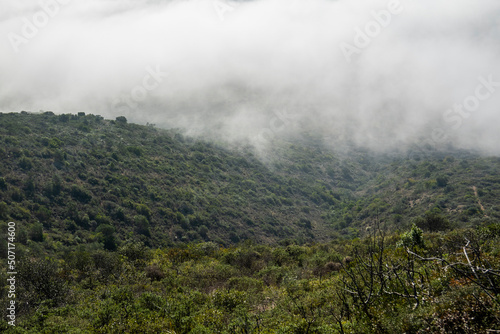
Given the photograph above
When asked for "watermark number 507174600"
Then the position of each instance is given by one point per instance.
(11, 273)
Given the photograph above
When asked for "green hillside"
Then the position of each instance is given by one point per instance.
(73, 174)
(68, 175)
(123, 228)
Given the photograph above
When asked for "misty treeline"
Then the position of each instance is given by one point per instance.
(411, 282)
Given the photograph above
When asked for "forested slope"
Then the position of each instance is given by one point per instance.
(122, 228)
(66, 177)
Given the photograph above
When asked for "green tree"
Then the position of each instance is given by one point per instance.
(412, 238)
(121, 119)
(442, 181)
(39, 280)
(433, 221)
(107, 236)
(36, 232)
(3, 183)
(142, 225)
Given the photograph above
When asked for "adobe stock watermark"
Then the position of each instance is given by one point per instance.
(222, 7)
(151, 80)
(32, 26)
(11, 274)
(471, 103)
(454, 116)
(372, 29)
(278, 123)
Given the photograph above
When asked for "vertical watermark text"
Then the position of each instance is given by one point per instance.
(11, 274)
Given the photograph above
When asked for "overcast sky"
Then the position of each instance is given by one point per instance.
(382, 73)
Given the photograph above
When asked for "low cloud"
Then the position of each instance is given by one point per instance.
(258, 70)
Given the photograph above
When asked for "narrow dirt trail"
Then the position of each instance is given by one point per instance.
(477, 197)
